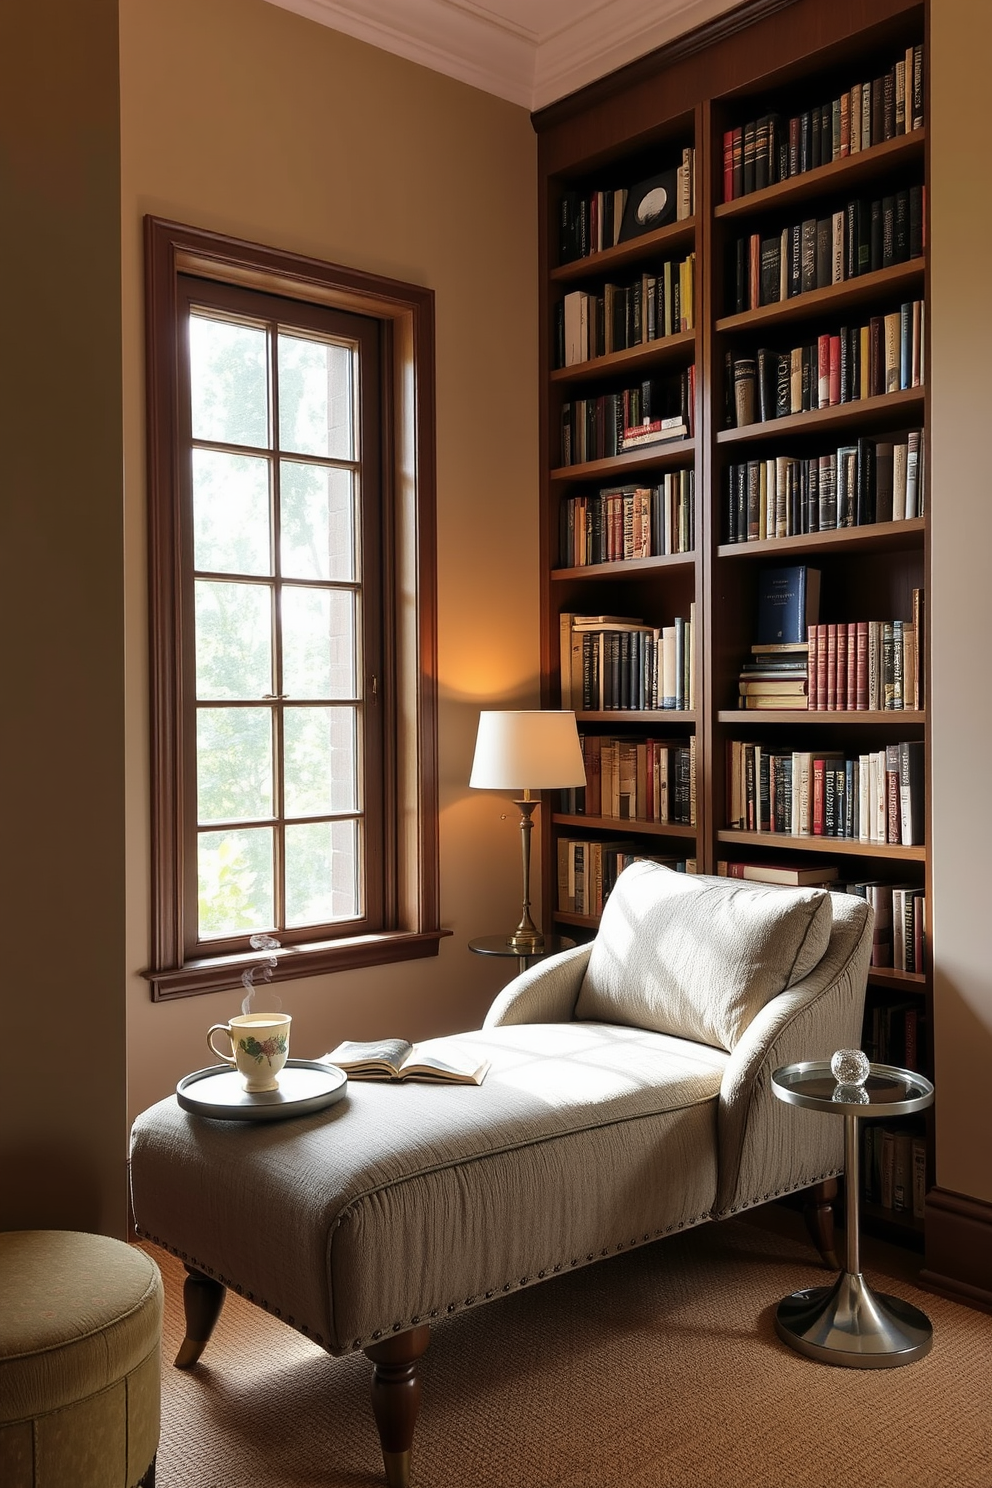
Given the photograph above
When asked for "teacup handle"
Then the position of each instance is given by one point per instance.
(225, 1029)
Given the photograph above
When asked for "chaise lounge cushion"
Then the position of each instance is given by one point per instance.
(699, 957)
(403, 1203)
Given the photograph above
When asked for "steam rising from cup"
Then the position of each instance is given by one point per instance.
(263, 969)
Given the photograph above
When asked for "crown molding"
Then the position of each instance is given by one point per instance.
(449, 38)
(617, 33)
(532, 53)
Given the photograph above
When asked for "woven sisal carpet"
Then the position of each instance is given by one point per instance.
(659, 1368)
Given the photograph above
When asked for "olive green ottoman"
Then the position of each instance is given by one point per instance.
(80, 1361)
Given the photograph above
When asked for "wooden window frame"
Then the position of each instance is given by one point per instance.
(410, 926)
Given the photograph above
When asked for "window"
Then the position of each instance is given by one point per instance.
(293, 698)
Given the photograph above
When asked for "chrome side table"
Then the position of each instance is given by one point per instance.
(848, 1323)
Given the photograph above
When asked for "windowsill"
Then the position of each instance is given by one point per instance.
(218, 973)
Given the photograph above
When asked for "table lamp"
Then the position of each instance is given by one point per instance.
(524, 752)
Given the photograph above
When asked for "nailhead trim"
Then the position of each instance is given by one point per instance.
(451, 1307)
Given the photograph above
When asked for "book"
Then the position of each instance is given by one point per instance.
(799, 875)
(446, 1061)
(788, 604)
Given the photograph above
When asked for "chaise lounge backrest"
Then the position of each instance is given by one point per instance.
(770, 975)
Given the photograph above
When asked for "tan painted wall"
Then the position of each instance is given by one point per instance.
(241, 117)
(62, 736)
(961, 522)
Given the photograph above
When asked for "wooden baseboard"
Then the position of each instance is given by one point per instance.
(958, 1248)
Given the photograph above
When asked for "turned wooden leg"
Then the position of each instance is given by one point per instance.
(203, 1299)
(396, 1398)
(819, 1215)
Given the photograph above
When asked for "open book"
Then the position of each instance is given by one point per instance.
(395, 1059)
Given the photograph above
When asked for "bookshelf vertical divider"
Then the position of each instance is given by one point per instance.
(797, 80)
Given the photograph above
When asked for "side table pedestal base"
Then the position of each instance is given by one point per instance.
(850, 1325)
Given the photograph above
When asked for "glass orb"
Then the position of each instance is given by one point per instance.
(850, 1067)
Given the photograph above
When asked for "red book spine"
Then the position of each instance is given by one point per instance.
(851, 695)
(823, 372)
(821, 668)
(840, 698)
(861, 671)
(728, 165)
(831, 667)
(812, 633)
(834, 370)
(819, 768)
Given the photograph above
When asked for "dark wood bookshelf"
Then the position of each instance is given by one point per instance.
(839, 175)
(665, 242)
(876, 536)
(658, 354)
(635, 715)
(849, 294)
(907, 406)
(624, 824)
(846, 846)
(666, 455)
(900, 717)
(763, 58)
(625, 568)
(902, 981)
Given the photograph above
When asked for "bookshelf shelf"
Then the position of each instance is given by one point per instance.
(876, 413)
(667, 455)
(875, 537)
(791, 63)
(635, 715)
(626, 568)
(661, 352)
(846, 846)
(664, 242)
(851, 294)
(902, 981)
(624, 824)
(900, 717)
(840, 175)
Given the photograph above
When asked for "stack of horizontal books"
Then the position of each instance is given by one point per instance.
(776, 676)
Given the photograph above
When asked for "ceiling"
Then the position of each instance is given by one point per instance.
(530, 52)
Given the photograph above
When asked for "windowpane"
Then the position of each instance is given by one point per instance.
(228, 382)
(315, 398)
(320, 760)
(318, 658)
(235, 882)
(231, 513)
(233, 640)
(233, 764)
(318, 522)
(321, 873)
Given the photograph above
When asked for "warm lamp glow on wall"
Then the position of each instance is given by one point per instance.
(525, 752)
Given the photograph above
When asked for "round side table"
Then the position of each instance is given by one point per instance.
(499, 945)
(849, 1323)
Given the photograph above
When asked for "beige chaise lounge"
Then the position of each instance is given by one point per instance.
(629, 1097)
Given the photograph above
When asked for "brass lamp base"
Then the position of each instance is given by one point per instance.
(526, 939)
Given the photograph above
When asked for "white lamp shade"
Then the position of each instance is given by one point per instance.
(527, 751)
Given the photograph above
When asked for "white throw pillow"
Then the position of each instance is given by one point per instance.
(699, 957)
